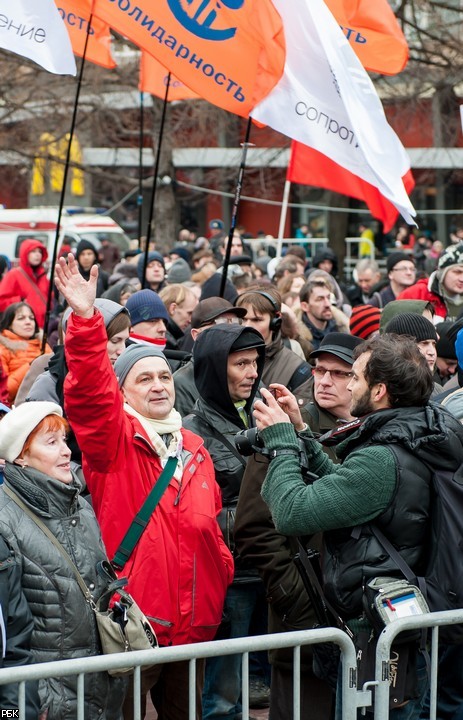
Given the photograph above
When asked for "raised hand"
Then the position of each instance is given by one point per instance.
(79, 293)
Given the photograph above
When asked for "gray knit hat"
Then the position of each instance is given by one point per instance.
(108, 308)
(452, 255)
(133, 354)
(416, 326)
(179, 272)
(17, 425)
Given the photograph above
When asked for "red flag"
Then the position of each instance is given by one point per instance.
(230, 53)
(373, 33)
(310, 167)
(76, 15)
(153, 80)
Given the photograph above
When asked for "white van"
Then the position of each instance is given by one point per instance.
(40, 223)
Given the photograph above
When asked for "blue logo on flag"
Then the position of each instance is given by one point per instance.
(201, 15)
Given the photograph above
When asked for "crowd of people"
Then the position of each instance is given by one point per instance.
(150, 370)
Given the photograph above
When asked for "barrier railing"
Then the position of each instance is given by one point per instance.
(383, 655)
(353, 698)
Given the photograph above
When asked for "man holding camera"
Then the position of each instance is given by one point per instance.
(387, 456)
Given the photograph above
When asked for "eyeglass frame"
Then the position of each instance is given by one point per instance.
(221, 320)
(320, 372)
(403, 269)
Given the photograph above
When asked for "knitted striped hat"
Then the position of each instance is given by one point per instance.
(364, 321)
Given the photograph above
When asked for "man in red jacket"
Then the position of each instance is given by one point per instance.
(29, 281)
(444, 288)
(126, 425)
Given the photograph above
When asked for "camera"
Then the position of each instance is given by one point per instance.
(249, 441)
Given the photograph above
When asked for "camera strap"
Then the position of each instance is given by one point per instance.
(284, 451)
(220, 436)
(324, 611)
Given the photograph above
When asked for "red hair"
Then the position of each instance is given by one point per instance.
(50, 423)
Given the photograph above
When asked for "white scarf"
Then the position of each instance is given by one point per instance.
(170, 425)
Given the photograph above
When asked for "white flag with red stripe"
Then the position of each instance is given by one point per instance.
(327, 101)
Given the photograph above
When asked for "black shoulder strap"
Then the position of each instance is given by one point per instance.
(52, 538)
(394, 554)
(220, 436)
(326, 614)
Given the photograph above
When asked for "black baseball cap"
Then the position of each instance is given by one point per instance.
(341, 345)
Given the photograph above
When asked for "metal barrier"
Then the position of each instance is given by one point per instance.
(383, 655)
(311, 244)
(352, 697)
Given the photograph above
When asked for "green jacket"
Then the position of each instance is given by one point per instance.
(387, 461)
(346, 495)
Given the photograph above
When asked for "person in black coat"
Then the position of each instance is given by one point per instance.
(16, 625)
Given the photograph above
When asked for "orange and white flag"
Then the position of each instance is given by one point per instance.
(230, 53)
(35, 30)
(153, 80)
(76, 16)
(373, 33)
(327, 101)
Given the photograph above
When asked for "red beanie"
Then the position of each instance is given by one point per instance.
(364, 321)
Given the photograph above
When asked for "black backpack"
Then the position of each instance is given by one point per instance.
(442, 583)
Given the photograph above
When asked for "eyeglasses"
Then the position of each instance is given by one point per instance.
(321, 371)
(221, 320)
(404, 268)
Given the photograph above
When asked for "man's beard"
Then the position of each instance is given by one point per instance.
(362, 406)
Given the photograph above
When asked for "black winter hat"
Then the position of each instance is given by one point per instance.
(85, 245)
(445, 345)
(416, 326)
(394, 258)
(152, 255)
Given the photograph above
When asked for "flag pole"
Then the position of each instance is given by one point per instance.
(155, 179)
(140, 168)
(284, 211)
(63, 187)
(239, 183)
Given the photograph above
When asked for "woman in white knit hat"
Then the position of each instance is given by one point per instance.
(40, 483)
